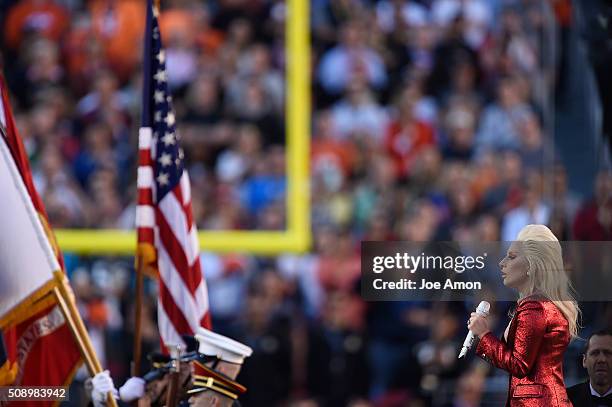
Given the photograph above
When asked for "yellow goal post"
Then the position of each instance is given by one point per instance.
(296, 237)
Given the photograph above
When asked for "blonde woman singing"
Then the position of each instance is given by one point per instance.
(545, 320)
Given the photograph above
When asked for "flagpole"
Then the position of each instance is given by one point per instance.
(65, 299)
(138, 316)
(93, 366)
(140, 250)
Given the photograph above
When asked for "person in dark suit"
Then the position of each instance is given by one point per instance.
(597, 360)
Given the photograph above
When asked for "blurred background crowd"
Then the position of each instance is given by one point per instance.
(432, 120)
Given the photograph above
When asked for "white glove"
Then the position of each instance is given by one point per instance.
(102, 385)
(132, 390)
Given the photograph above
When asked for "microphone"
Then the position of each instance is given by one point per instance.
(483, 309)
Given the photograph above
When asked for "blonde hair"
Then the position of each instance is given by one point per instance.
(546, 272)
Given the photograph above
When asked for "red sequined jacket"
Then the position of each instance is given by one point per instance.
(533, 354)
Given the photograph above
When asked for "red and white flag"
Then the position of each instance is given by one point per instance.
(40, 347)
(167, 234)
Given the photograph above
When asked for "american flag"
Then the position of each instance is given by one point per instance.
(167, 234)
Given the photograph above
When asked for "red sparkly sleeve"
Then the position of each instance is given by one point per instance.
(530, 329)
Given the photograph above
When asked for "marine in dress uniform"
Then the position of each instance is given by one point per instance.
(207, 373)
(215, 370)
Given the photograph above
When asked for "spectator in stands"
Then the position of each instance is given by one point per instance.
(508, 193)
(594, 219)
(351, 58)
(359, 112)
(459, 125)
(532, 211)
(500, 120)
(406, 136)
(534, 154)
(179, 31)
(256, 64)
(477, 15)
(66, 205)
(470, 388)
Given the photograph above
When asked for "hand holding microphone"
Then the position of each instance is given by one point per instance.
(478, 326)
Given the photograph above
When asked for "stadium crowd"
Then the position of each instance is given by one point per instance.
(428, 124)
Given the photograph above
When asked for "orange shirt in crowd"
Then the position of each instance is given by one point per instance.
(43, 16)
(341, 153)
(119, 24)
(181, 22)
(177, 22)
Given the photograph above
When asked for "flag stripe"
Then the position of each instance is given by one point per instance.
(144, 157)
(179, 222)
(186, 188)
(145, 177)
(145, 216)
(144, 138)
(174, 248)
(195, 243)
(146, 235)
(201, 294)
(176, 314)
(178, 256)
(176, 288)
(170, 335)
(179, 194)
(2, 116)
(145, 197)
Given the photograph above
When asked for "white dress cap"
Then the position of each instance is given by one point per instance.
(226, 349)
